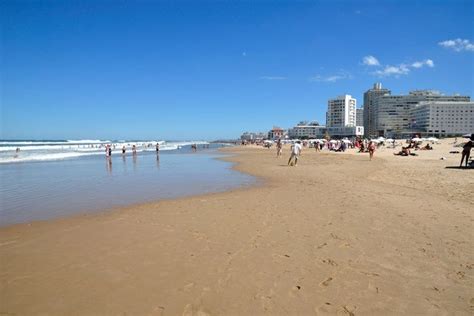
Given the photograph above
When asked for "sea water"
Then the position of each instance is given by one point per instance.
(33, 187)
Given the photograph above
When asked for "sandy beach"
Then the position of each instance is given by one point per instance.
(338, 235)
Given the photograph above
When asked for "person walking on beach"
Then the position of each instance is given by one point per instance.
(279, 147)
(110, 151)
(371, 149)
(107, 151)
(466, 151)
(157, 148)
(295, 153)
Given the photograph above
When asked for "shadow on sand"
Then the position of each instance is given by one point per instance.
(457, 167)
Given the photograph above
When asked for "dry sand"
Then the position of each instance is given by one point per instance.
(338, 234)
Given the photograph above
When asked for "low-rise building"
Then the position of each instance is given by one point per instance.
(345, 131)
(252, 136)
(307, 130)
(276, 133)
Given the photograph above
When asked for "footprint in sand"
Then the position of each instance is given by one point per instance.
(326, 308)
(330, 262)
(348, 311)
(322, 245)
(188, 287)
(326, 282)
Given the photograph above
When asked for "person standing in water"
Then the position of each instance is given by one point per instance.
(123, 150)
(110, 151)
(134, 150)
(157, 148)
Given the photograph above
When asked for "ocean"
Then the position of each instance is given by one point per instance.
(57, 178)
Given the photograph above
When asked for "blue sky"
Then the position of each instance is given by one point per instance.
(213, 69)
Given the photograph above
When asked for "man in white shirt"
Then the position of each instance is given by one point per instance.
(295, 152)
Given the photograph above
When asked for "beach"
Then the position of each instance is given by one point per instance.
(338, 234)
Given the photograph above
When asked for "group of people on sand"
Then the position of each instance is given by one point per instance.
(370, 147)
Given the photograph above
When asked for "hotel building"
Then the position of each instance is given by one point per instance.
(443, 118)
(393, 113)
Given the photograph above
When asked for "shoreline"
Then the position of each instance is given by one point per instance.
(223, 155)
(162, 185)
(335, 234)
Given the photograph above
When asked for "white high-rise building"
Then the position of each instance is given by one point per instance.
(341, 112)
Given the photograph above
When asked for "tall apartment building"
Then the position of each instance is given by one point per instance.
(392, 113)
(360, 117)
(443, 118)
(341, 112)
(369, 113)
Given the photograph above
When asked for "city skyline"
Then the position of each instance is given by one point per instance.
(212, 70)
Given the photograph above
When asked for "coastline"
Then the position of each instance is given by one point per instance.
(337, 234)
(53, 189)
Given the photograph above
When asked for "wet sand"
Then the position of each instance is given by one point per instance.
(338, 234)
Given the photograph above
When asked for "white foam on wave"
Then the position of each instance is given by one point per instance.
(67, 142)
(67, 150)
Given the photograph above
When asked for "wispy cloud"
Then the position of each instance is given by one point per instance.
(273, 78)
(458, 45)
(420, 64)
(331, 78)
(370, 61)
(398, 70)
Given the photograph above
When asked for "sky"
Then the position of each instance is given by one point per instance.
(182, 70)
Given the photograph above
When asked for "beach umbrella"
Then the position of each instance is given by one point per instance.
(346, 141)
(389, 140)
(416, 139)
(432, 139)
(333, 141)
(468, 135)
